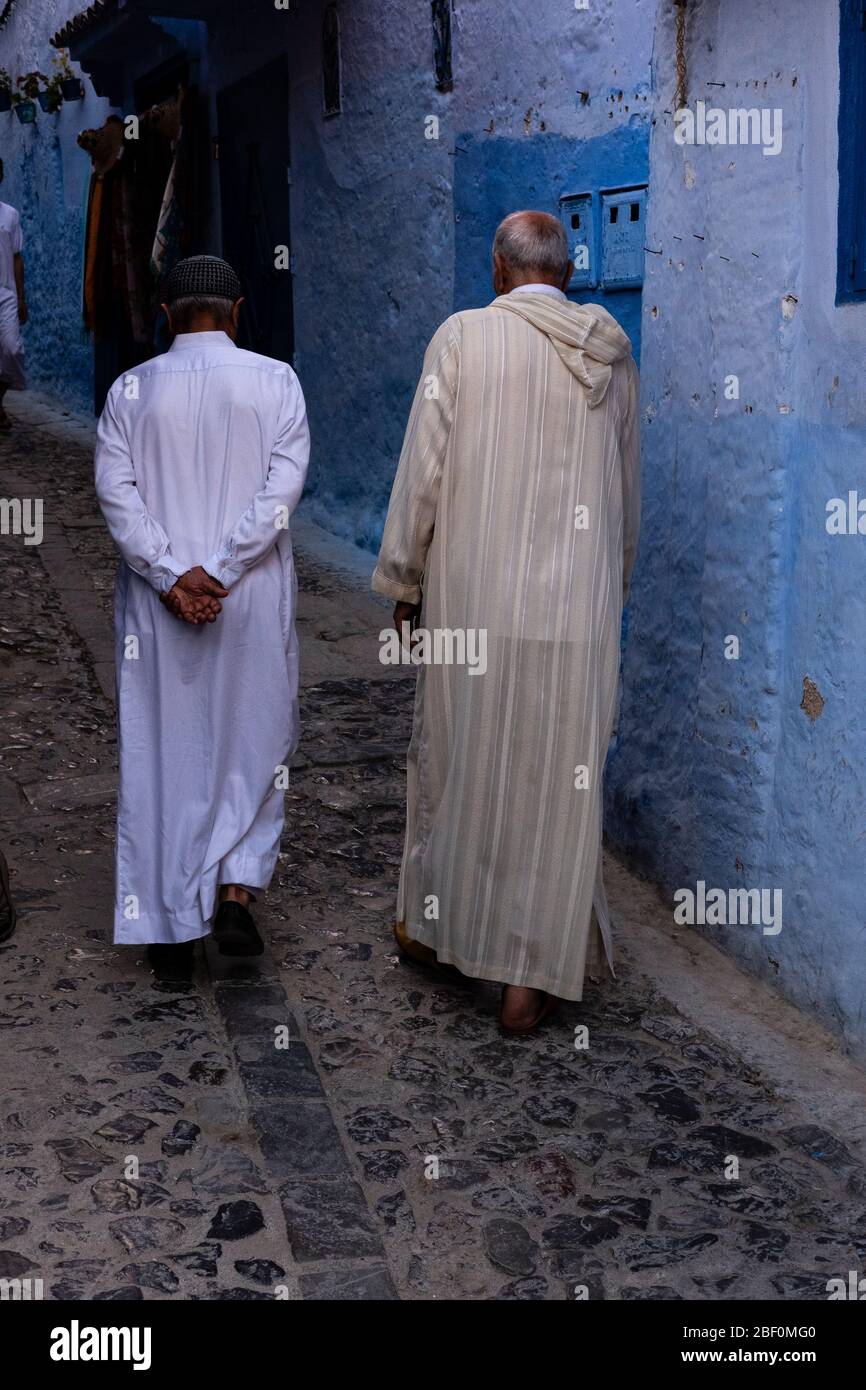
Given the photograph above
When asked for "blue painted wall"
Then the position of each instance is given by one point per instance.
(719, 773)
(494, 176)
(391, 230)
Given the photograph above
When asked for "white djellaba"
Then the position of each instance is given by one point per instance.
(201, 457)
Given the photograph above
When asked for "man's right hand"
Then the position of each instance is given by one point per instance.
(199, 584)
(190, 608)
(195, 597)
(406, 613)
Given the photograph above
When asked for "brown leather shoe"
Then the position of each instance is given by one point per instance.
(235, 931)
(171, 962)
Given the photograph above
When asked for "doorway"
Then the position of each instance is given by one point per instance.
(254, 162)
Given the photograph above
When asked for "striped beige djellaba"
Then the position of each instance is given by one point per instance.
(515, 513)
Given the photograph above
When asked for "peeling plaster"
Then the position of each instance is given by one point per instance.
(813, 701)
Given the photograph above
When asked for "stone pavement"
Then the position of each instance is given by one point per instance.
(330, 1122)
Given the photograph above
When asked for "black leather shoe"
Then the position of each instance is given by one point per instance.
(171, 962)
(8, 915)
(235, 931)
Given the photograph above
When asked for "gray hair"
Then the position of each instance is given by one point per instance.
(193, 306)
(532, 241)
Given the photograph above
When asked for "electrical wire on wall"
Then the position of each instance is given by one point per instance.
(682, 79)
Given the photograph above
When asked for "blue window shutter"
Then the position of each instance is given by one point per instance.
(851, 259)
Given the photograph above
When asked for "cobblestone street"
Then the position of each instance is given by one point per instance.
(154, 1143)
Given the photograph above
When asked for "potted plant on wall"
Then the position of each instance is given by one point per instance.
(71, 87)
(5, 90)
(49, 96)
(25, 98)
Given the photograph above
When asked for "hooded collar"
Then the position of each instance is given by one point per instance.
(587, 338)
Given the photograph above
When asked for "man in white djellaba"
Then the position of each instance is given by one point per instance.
(201, 458)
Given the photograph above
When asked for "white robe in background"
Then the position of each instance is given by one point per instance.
(201, 456)
(11, 342)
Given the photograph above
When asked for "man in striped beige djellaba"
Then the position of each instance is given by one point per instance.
(513, 526)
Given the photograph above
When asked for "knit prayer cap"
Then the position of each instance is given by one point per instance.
(205, 276)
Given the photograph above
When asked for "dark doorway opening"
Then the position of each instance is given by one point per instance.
(254, 162)
(161, 82)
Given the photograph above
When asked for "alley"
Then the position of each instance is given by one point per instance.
(330, 1122)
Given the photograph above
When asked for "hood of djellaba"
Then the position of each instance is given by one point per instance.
(587, 338)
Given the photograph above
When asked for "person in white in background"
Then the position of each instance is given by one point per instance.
(201, 458)
(13, 306)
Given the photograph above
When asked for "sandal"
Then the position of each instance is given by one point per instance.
(419, 954)
(520, 1030)
(413, 950)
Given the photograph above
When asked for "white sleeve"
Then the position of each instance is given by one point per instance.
(256, 532)
(411, 516)
(138, 536)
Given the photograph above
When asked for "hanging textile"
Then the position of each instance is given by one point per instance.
(143, 214)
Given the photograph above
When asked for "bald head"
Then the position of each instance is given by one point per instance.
(530, 248)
